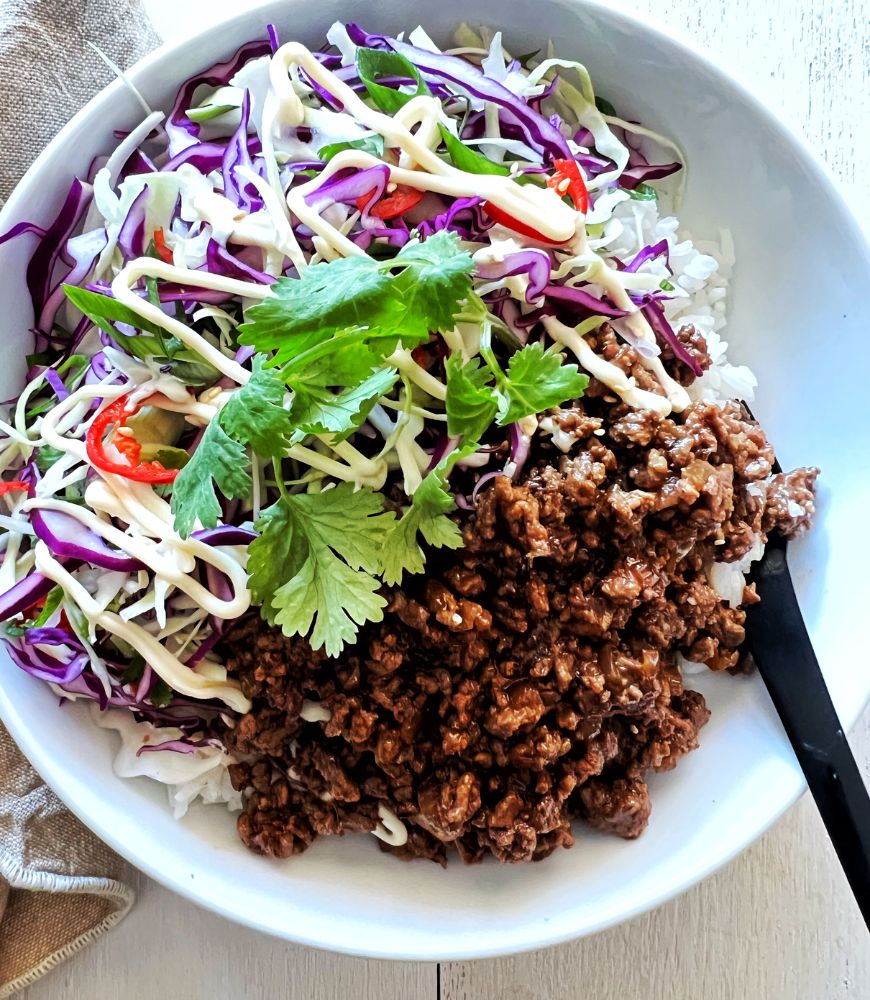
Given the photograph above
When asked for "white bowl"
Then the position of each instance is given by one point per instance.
(799, 317)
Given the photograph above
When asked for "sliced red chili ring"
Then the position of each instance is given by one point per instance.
(568, 179)
(141, 472)
(15, 486)
(160, 246)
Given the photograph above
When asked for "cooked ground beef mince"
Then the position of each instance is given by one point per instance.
(530, 678)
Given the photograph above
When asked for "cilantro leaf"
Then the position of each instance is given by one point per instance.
(161, 694)
(313, 562)
(362, 298)
(255, 414)
(303, 312)
(374, 64)
(318, 410)
(274, 556)
(345, 359)
(427, 515)
(471, 403)
(217, 460)
(438, 281)
(535, 381)
(332, 596)
(469, 159)
(134, 670)
(350, 521)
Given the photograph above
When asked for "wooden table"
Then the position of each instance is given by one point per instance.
(779, 922)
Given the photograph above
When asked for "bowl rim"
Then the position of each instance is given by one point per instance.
(782, 798)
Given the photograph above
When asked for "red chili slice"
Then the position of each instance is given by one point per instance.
(160, 246)
(15, 486)
(568, 180)
(141, 472)
(392, 205)
(508, 221)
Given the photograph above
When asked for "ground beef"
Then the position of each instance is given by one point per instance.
(530, 678)
(791, 502)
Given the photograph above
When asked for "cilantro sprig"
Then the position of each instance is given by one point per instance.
(427, 517)
(536, 379)
(320, 559)
(254, 415)
(377, 302)
(313, 564)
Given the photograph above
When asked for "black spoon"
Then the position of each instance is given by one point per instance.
(780, 645)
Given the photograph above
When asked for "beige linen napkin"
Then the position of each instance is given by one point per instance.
(60, 886)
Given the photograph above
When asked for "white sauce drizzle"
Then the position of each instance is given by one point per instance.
(169, 556)
(610, 281)
(148, 267)
(611, 375)
(175, 674)
(540, 208)
(391, 830)
(537, 207)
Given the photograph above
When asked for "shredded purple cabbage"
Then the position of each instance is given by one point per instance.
(581, 299)
(180, 130)
(538, 132)
(534, 263)
(656, 317)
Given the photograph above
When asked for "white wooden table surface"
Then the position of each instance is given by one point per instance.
(778, 923)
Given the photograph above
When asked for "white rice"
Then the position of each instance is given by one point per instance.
(700, 273)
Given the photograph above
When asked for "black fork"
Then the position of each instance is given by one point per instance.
(781, 647)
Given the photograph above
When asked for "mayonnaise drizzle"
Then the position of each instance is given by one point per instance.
(422, 169)
(611, 282)
(148, 267)
(537, 207)
(175, 674)
(170, 557)
(611, 375)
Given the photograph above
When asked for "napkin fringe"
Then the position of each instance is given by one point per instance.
(20, 877)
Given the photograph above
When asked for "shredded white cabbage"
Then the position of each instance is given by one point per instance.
(199, 775)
